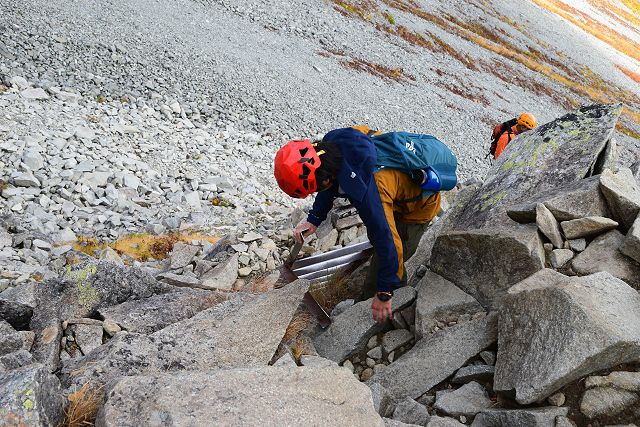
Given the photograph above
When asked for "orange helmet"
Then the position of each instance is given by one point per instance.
(295, 166)
(527, 120)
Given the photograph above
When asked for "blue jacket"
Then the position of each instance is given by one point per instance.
(356, 181)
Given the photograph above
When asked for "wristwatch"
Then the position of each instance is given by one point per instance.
(384, 296)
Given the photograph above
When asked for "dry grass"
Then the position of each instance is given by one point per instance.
(141, 247)
(331, 293)
(83, 406)
(378, 70)
(631, 74)
(620, 127)
(594, 27)
(299, 322)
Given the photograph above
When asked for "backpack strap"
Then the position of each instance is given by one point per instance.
(371, 132)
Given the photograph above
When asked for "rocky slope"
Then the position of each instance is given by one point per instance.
(153, 126)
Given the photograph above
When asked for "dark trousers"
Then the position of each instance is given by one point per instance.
(410, 234)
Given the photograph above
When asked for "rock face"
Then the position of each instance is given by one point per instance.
(481, 253)
(603, 254)
(468, 400)
(622, 193)
(149, 315)
(539, 417)
(631, 245)
(610, 395)
(548, 225)
(350, 330)
(435, 358)
(440, 300)
(586, 227)
(555, 331)
(30, 396)
(502, 256)
(259, 396)
(17, 304)
(243, 331)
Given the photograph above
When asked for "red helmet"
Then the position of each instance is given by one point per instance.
(295, 168)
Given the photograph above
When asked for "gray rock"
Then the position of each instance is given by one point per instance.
(382, 401)
(548, 225)
(341, 307)
(33, 159)
(388, 422)
(422, 256)
(480, 242)
(110, 327)
(539, 417)
(17, 304)
(34, 93)
(473, 373)
(350, 331)
(603, 254)
(5, 238)
(30, 396)
(620, 379)
(22, 179)
(15, 360)
(12, 340)
(375, 353)
(88, 336)
(578, 245)
(181, 280)
(243, 331)
(258, 396)
(489, 357)
(515, 252)
(286, 360)
(622, 193)
(440, 300)
(108, 254)
(560, 257)
(562, 421)
(467, 401)
(436, 357)
(182, 255)
(607, 401)
(250, 237)
(444, 422)
(411, 412)
(316, 362)
(554, 332)
(395, 339)
(587, 227)
(557, 399)
(222, 276)
(631, 245)
(148, 315)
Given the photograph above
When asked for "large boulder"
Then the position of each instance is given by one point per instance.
(468, 400)
(17, 304)
(30, 396)
(587, 227)
(631, 245)
(12, 340)
(538, 417)
(148, 315)
(603, 254)
(578, 199)
(622, 193)
(481, 253)
(252, 397)
(555, 330)
(436, 357)
(440, 300)
(84, 289)
(350, 330)
(243, 331)
(502, 256)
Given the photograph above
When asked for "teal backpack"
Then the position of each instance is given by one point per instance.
(412, 153)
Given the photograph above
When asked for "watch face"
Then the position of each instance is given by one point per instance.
(384, 297)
